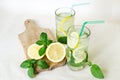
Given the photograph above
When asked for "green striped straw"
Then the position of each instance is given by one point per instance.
(89, 22)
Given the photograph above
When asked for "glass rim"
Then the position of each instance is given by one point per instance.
(64, 8)
(89, 32)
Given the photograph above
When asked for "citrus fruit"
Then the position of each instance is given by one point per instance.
(66, 26)
(60, 32)
(56, 52)
(73, 40)
(33, 51)
(79, 55)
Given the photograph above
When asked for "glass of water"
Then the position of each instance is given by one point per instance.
(64, 19)
(77, 47)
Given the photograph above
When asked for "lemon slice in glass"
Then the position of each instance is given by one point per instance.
(66, 26)
(73, 40)
(60, 33)
(56, 52)
(33, 51)
(79, 55)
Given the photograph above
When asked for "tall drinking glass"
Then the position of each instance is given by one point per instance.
(77, 47)
(64, 19)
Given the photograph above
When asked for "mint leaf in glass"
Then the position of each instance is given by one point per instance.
(42, 64)
(42, 50)
(31, 72)
(26, 64)
(96, 71)
(62, 40)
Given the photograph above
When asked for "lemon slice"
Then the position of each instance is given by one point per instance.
(60, 32)
(63, 30)
(79, 55)
(56, 52)
(73, 40)
(33, 51)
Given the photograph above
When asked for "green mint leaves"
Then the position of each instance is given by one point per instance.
(42, 64)
(31, 72)
(43, 41)
(49, 42)
(30, 65)
(39, 42)
(42, 50)
(63, 40)
(27, 63)
(43, 36)
(96, 71)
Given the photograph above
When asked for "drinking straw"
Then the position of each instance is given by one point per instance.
(89, 22)
(80, 4)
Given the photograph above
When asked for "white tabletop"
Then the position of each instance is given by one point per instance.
(104, 47)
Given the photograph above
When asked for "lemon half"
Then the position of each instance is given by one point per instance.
(33, 51)
(56, 52)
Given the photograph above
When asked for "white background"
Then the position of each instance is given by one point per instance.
(104, 47)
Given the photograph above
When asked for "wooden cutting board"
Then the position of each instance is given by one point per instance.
(31, 35)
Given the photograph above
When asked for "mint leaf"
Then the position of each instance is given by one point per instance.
(96, 71)
(43, 36)
(31, 72)
(26, 64)
(42, 64)
(42, 50)
(49, 42)
(63, 40)
(32, 61)
(39, 42)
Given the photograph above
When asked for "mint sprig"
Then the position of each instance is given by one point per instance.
(96, 71)
(43, 41)
(30, 65)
